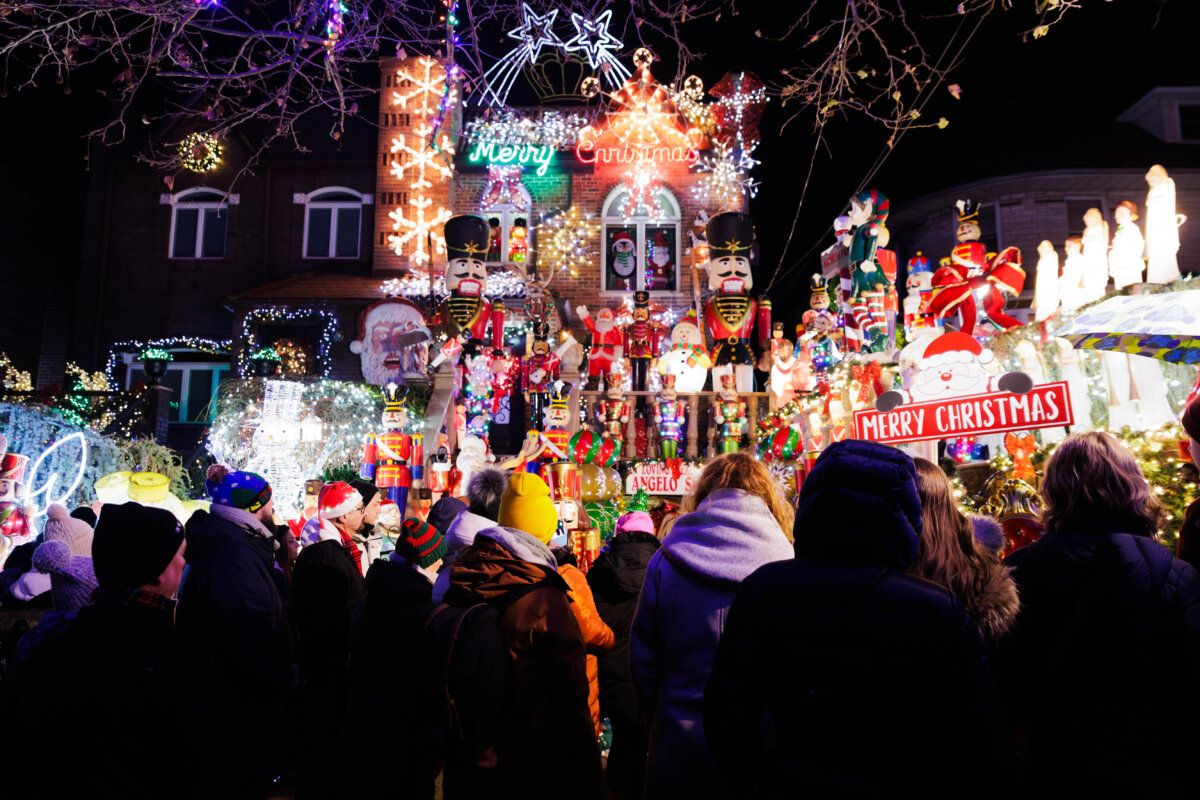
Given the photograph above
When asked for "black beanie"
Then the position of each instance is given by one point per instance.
(133, 544)
(366, 489)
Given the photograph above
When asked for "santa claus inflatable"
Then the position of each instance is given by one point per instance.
(953, 364)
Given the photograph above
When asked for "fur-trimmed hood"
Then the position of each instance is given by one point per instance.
(995, 604)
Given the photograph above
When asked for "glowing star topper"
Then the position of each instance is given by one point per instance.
(536, 31)
(598, 45)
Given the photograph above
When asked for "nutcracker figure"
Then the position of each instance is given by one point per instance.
(730, 415)
(540, 370)
(731, 312)
(14, 525)
(467, 311)
(388, 455)
(818, 299)
(643, 340)
(971, 272)
(562, 478)
(608, 343)
(614, 410)
(917, 319)
(869, 282)
(557, 417)
(670, 415)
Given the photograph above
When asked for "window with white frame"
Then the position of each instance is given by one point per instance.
(640, 251)
(333, 222)
(198, 218)
(193, 386)
(509, 230)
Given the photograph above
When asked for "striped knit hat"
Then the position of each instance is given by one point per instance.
(420, 543)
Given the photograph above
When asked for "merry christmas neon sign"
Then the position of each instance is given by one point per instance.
(524, 154)
(588, 153)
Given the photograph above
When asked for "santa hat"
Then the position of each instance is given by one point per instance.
(954, 347)
(689, 319)
(337, 499)
(623, 237)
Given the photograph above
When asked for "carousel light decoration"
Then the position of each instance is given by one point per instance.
(200, 152)
(565, 241)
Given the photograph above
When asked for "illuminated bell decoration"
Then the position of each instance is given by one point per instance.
(642, 57)
(200, 152)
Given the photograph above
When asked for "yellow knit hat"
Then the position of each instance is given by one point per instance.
(525, 505)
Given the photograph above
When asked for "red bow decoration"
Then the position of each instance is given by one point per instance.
(869, 373)
(1021, 448)
(676, 467)
(954, 286)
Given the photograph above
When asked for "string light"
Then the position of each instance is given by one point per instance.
(200, 152)
(543, 128)
(565, 241)
(15, 380)
(727, 179)
(283, 315)
(211, 346)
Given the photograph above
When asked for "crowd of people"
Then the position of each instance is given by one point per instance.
(869, 639)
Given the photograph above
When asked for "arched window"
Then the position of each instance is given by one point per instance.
(506, 205)
(640, 251)
(198, 218)
(333, 222)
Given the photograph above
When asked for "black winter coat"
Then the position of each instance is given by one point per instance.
(1100, 671)
(121, 705)
(326, 586)
(837, 672)
(616, 580)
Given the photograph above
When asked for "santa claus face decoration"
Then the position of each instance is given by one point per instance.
(393, 342)
(604, 320)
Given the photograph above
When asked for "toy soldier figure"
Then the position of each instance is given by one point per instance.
(540, 370)
(643, 340)
(731, 312)
(467, 311)
(670, 416)
(730, 415)
(387, 455)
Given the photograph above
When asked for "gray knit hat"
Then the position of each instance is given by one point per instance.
(62, 527)
(72, 579)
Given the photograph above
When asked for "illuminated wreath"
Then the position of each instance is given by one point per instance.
(200, 152)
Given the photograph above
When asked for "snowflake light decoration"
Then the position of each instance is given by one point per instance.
(728, 177)
(565, 241)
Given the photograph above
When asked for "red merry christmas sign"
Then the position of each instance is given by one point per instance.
(1047, 405)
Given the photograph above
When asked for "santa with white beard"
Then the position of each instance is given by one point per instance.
(393, 341)
(953, 364)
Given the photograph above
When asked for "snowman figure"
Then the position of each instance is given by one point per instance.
(952, 365)
(687, 359)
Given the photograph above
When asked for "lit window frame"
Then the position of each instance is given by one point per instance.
(611, 216)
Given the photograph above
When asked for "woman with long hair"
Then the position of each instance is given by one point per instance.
(948, 555)
(734, 524)
(1109, 626)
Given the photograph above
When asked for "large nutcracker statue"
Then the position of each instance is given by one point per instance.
(730, 415)
(467, 311)
(731, 312)
(870, 285)
(539, 371)
(393, 459)
(971, 271)
(670, 415)
(643, 339)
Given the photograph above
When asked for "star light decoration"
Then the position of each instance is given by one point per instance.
(727, 180)
(534, 33)
(565, 242)
(421, 156)
(598, 45)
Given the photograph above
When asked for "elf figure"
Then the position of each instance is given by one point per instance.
(557, 417)
(1125, 259)
(670, 415)
(466, 311)
(388, 454)
(643, 340)
(731, 312)
(970, 272)
(917, 319)
(869, 283)
(608, 343)
(14, 525)
(540, 370)
(493, 251)
(518, 245)
(730, 415)
(613, 410)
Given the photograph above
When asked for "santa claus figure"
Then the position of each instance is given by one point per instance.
(970, 272)
(661, 272)
(687, 359)
(388, 455)
(731, 312)
(952, 364)
(608, 343)
(789, 373)
(393, 341)
(467, 312)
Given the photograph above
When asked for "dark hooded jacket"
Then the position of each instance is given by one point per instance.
(1098, 673)
(837, 672)
(326, 586)
(547, 744)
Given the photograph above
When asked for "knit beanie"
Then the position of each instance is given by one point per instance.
(338, 499)
(526, 506)
(420, 543)
(72, 579)
(445, 511)
(1191, 422)
(62, 527)
(636, 521)
(133, 544)
(366, 489)
(244, 490)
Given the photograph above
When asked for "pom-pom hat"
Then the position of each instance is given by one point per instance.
(72, 578)
(338, 499)
(245, 490)
(62, 527)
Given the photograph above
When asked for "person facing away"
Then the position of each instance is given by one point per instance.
(839, 673)
(616, 580)
(733, 527)
(546, 747)
(149, 697)
(949, 555)
(1107, 615)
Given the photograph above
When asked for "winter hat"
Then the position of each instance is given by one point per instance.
(636, 521)
(133, 544)
(484, 490)
(1191, 422)
(87, 515)
(526, 506)
(72, 579)
(244, 490)
(365, 488)
(420, 543)
(954, 347)
(338, 498)
(62, 527)
(445, 511)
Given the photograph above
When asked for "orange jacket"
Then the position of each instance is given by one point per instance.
(596, 634)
